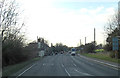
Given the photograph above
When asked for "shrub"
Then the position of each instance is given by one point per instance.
(108, 47)
(112, 54)
(13, 51)
(89, 48)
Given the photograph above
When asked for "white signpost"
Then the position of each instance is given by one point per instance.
(41, 52)
(38, 45)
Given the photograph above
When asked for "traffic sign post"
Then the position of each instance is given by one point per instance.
(116, 45)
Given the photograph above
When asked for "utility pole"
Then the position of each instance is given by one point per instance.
(85, 40)
(37, 38)
(119, 15)
(94, 35)
(80, 42)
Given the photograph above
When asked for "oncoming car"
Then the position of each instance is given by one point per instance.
(73, 52)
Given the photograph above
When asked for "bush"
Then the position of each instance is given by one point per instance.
(112, 54)
(108, 47)
(12, 41)
(13, 51)
(89, 48)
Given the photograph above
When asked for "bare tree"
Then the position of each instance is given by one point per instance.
(12, 40)
(9, 19)
(112, 29)
(112, 24)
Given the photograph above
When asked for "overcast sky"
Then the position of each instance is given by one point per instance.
(67, 21)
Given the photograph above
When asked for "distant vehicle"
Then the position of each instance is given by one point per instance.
(73, 51)
(69, 52)
(62, 52)
(56, 53)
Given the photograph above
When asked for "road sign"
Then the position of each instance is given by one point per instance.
(41, 53)
(115, 43)
(39, 44)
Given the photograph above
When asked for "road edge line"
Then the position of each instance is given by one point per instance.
(100, 62)
(25, 70)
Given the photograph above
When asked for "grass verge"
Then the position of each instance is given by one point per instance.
(9, 70)
(102, 57)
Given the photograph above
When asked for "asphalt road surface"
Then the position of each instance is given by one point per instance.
(67, 65)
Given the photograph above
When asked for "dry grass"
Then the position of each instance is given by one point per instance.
(102, 56)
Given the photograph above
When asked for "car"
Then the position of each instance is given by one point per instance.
(61, 52)
(73, 53)
(56, 53)
(69, 52)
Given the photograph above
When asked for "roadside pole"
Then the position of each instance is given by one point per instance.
(38, 39)
(1, 6)
(41, 52)
(116, 44)
(116, 56)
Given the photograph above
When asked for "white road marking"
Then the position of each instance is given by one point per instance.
(77, 61)
(91, 64)
(105, 63)
(74, 65)
(62, 65)
(83, 73)
(66, 70)
(48, 64)
(116, 67)
(25, 70)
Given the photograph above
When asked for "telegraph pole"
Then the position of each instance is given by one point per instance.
(85, 40)
(80, 42)
(119, 15)
(94, 36)
(39, 46)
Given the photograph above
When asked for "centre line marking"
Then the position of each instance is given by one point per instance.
(74, 65)
(66, 70)
(83, 73)
(62, 65)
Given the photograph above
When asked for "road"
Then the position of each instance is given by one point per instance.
(67, 65)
